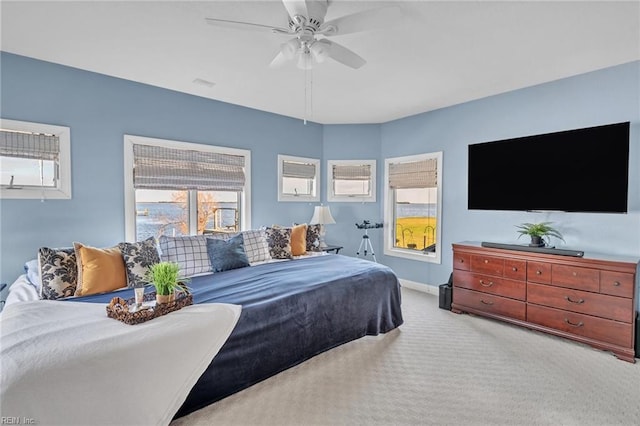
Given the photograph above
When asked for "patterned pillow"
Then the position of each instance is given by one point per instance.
(190, 252)
(58, 272)
(313, 238)
(255, 245)
(227, 254)
(138, 257)
(279, 240)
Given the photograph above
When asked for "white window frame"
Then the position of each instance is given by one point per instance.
(354, 198)
(300, 197)
(390, 232)
(62, 191)
(129, 190)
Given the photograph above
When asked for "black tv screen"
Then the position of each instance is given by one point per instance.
(584, 170)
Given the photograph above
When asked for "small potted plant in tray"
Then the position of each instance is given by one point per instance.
(165, 278)
(539, 233)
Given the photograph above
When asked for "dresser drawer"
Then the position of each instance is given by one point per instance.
(489, 303)
(617, 283)
(599, 305)
(488, 284)
(487, 265)
(515, 269)
(576, 277)
(539, 272)
(461, 261)
(604, 330)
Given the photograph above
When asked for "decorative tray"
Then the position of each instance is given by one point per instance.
(127, 312)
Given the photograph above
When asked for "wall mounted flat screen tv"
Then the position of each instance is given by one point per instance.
(583, 170)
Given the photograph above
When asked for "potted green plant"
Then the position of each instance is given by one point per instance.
(165, 277)
(539, 233)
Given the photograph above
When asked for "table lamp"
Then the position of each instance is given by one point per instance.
(322, 216)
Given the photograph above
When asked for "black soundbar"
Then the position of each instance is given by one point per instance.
(548, 250)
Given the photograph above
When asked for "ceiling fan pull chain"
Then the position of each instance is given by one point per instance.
(308, 94)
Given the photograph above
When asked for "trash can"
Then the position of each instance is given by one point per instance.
(446, 294)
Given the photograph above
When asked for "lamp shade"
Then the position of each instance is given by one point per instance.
(322, 216)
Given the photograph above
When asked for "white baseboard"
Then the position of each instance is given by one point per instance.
(423, 287)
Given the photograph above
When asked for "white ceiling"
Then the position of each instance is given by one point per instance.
(443, 53)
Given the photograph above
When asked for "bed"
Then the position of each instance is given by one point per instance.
(291, 311)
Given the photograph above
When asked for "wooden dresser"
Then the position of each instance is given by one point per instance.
(590, 299)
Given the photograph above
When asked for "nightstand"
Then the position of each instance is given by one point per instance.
(330, 249)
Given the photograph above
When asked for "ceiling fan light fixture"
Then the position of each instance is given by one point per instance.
(290, 48)
(305, 61)
(320, 50)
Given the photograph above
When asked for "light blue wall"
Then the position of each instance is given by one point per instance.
(596, 98)
(353, 142)
(100, 110)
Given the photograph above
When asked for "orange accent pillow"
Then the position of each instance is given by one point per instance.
(299, 240)
(99, 270)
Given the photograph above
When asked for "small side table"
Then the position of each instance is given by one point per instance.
(329, 249)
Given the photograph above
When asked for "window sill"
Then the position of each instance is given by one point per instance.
(35, 194)
(301, 198)
(413, 255)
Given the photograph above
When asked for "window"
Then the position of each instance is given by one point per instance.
(298, 178)
(413, 207)
(179, 188)
(35, 160)
(351, 180)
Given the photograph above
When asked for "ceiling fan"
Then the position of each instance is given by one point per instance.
(306, 24)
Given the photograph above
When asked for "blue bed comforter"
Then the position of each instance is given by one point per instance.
(291, 311)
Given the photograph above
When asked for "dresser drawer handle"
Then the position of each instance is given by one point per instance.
(486, 261)
(580, 324)
(514, 269)
(616, 283)
(577, 302)
(461, 260)
(538, 272)
(489, 284)
(486, 303)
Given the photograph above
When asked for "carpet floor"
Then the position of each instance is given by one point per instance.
(440, 368)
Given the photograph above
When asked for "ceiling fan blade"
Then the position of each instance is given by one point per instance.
(371, 19)
(278, 61)
(237, 25)
(339, 53)
(296, 7)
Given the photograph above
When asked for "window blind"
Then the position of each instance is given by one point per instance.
(292, 169)
(180, 169)
(351, 172)
(35, 146)
(414, 174)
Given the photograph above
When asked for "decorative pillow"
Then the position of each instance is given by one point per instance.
(138, 257)
(190, 252)
(313, 237)
(58, 272)
(220, 235)
(279, 240)
(227, 254)
(255, 245)
(299, 240)
(32, 269)
(99, 270)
